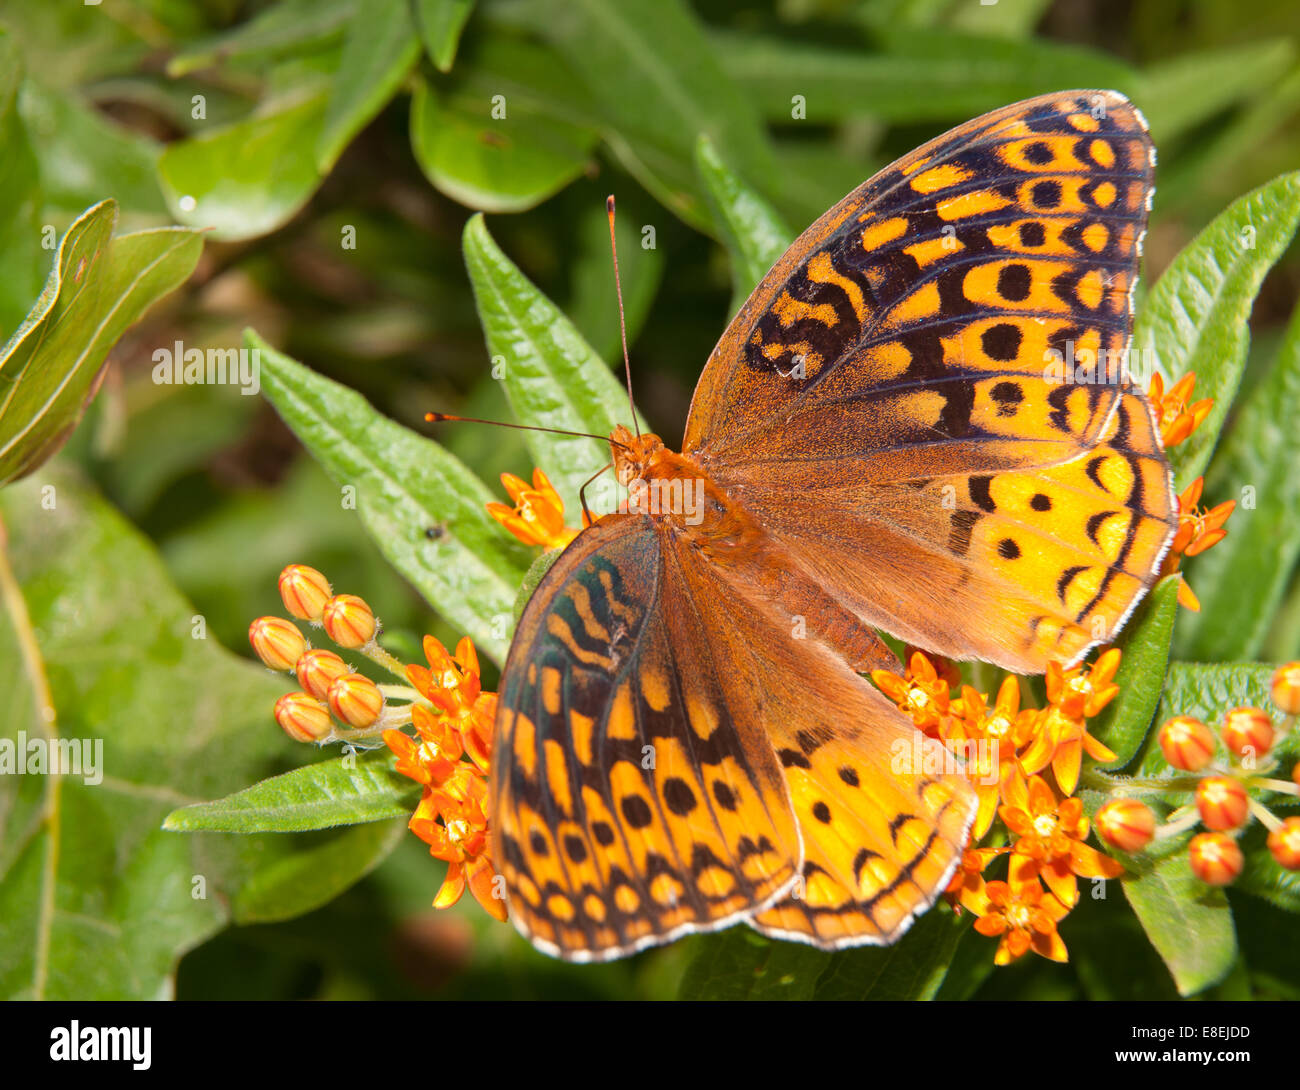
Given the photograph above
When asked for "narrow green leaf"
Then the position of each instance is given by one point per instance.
(291, 26)
(1242, 580)
(551, 375)
(1124, 723)
(440, 23)
(494, 164)
(659, 84)
(348, 790)
(22, 261)
(1178, 94)
(751, 229)
(1195, 318)
(306, 879)
(98, 287)
(404, 483)
(247, 179)
(378, 52)
(930, 75)
(1188, 923)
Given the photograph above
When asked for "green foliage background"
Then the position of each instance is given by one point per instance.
(293, 129)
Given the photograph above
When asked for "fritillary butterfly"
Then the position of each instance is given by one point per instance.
(921, 421)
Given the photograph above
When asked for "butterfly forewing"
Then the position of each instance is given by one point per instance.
(919, 398)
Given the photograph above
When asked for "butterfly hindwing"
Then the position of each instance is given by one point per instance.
(632, 801)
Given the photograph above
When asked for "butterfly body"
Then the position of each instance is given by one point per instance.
(882, 439)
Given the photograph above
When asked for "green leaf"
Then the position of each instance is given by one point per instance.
(1195, 318)
(539, 568)
(98, 287)
(96, 901)
(21, 259)
(1189, 923)
(750, 228)
(494, 164)
(741, 964)
(1179, 94)
(1262, 876)
(247, 179)
(930, 75)
(440, 23)
(551, 375)
(404, 483)
(1124, 723)
(288, 27)
(378, 52)
(658, 84)
(1241, 581)
(348, 790)
(304, 880)
(84, 156)
(1007, 19)
(912, 968)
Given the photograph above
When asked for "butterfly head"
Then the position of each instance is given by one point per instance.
(633, 454)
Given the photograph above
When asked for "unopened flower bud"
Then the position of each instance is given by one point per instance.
(1187, 743)
(318, 669)
(1222, 802)
(1286, 688)
(304, 591)
(302, 718)
(1284, 843)
(278, 642)
(356, 700)
(348, 621)
(1215, 857)
(1247, 731)
(1128, 824)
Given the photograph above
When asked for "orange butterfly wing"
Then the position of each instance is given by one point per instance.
(886, 404)
(669, 759)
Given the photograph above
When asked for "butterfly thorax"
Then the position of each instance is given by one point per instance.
(674, 489)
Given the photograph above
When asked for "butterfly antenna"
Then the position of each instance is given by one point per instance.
(622, 323)
(439, 418)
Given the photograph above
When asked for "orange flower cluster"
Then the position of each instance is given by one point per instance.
(1225, 773)
(1006, 747)
(452, 815)
(444, 702)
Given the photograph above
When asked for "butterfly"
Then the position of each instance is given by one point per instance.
(920, 422)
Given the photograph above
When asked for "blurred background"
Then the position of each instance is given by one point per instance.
(210, 112)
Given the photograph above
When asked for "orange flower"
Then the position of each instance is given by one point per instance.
(1025, 915)
(462, 841)
(920, 693)
(988, 738)
(1053, 835)
(967, 889)
(1198, 530)
(435, 756)
(1177, 419)
(1060, 735)
(537, 517)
